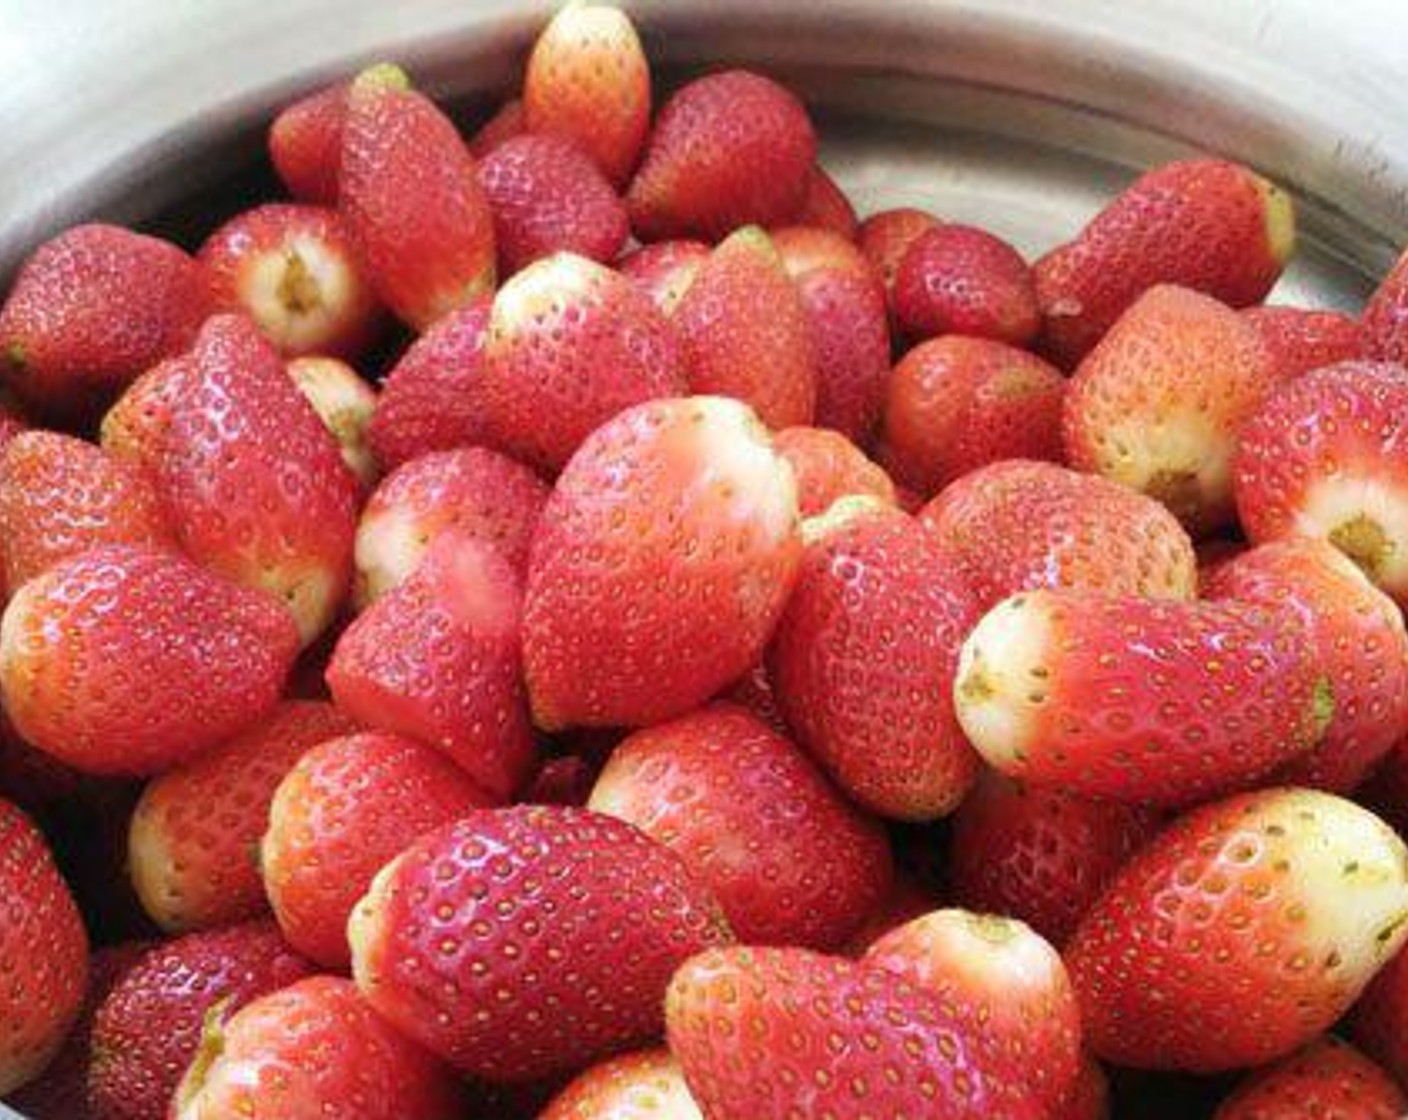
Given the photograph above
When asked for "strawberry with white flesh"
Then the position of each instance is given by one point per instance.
(345, 403)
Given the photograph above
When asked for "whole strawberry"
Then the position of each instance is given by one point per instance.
(1385, 318)
(1300, 340)
(506, 122)
(345, 403)
(645, 1085)
(1327, 1078)
(956, 279)
(829, 467)
(305, 144)
(886, 236)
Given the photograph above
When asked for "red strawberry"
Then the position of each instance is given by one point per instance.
(886, 236)
(127, 661)
(728, 150)
(506, 123)
(825, 206)
(305, 144)
(60, 496)
(1359, 641)
(344, 809)
(908, 899)
(1158, 404)
(432, 400)
(148, 1028)
(255, 485)
(345, 404)
(1326, 456)
(1205, 224)
(1380, 1018)
(411, 197)
(747, 333)
(44, 949)
(789, 860)
(90, 310)
(665, 270)
(523, 942)
(313, 1051)
(1242, 932)
(645, 1085)
(1089, 1097)
(684, 507)
(1142, 701)
(437, 660)
(1300, 341)
(1005, 985)
(588, 80)
(546, 197)
(193, 845)
(957, 279)
(1385, 320)
(863, 661)
(769, 1034)
(571, 343)
(484, 494)
(754, 691)
(1019, 525)
(1327, 1078)
(1040, 853)
(828, 466)
(953, 404)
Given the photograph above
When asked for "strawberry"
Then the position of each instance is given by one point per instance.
(1040, 853)
(565, 780)
(588, 80)
(825, 206)
(1380, 1018)
(1326, 456)
(193, 842)
(571, 343)
(488, 496)
(90, 310)
(1300, 341)
(1240, 933)
(432, 400)
(908, 899)
(956, 403)
(305, 144)
(863, 660)
(747, 333)
(255, 486)
(644, 1085)
(44, 949)
(1143, 701)
(753, 691)
(506, 123)
(1327, 1078)
(1158, 404)
(124, 660)
(411, 198)
(314, 1050)
(886, 236)
(1385, 319)
(547, 197)
(1088, 1097)
(1019, 525)
(60, 496)
(956, 279)
(828, 466)
(1359, 642)
(1004, 984)
(1206, 224)
(518, 943)
(11, 424)
(767, 1034)
(684, 506)
(292, 269)
(148, 1028)
(344, 809)
(789, 860)
(345, 404)
(728, 150)
(665, 270)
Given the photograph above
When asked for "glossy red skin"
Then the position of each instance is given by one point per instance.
(828, 466)
(825, 205)
(554, 906)
(1196, 223)
(1019, 525)
(146, 1030)
(727, 150)
(92, 309)
(886, 236)
(60, 496)
(506, 123)
(1379, 1021)
(1327, 1078)
(757, 1031)
(1089, 1097)
(547, 196)
(432, 400)
(347, 807)
(211, 658)
(1300, 340)
(956, 279)
(957, 403)
(863, 662)
(1385, 318)
(211, 812)
(664, 270)
(1040, 853)
(411, 198)
(305, 144)
(790, 861)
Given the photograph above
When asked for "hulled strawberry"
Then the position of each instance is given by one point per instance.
(506, 123)
(956, 279)
(1380, 1018)
(825, 206)
(1240, 933)
(684, 507)
(124, 660)
(1206, 224)
(345, 403)
(411, 198)
(305, 144)
(194, 836)
(1299, 340)
(827, 467)
(1385, 319)
(1327, 1078)
(885, 237)
(727, 150)
(523, 942)
(665, 270)
(644, 1085)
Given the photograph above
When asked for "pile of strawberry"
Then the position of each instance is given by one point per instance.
(558, 727)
